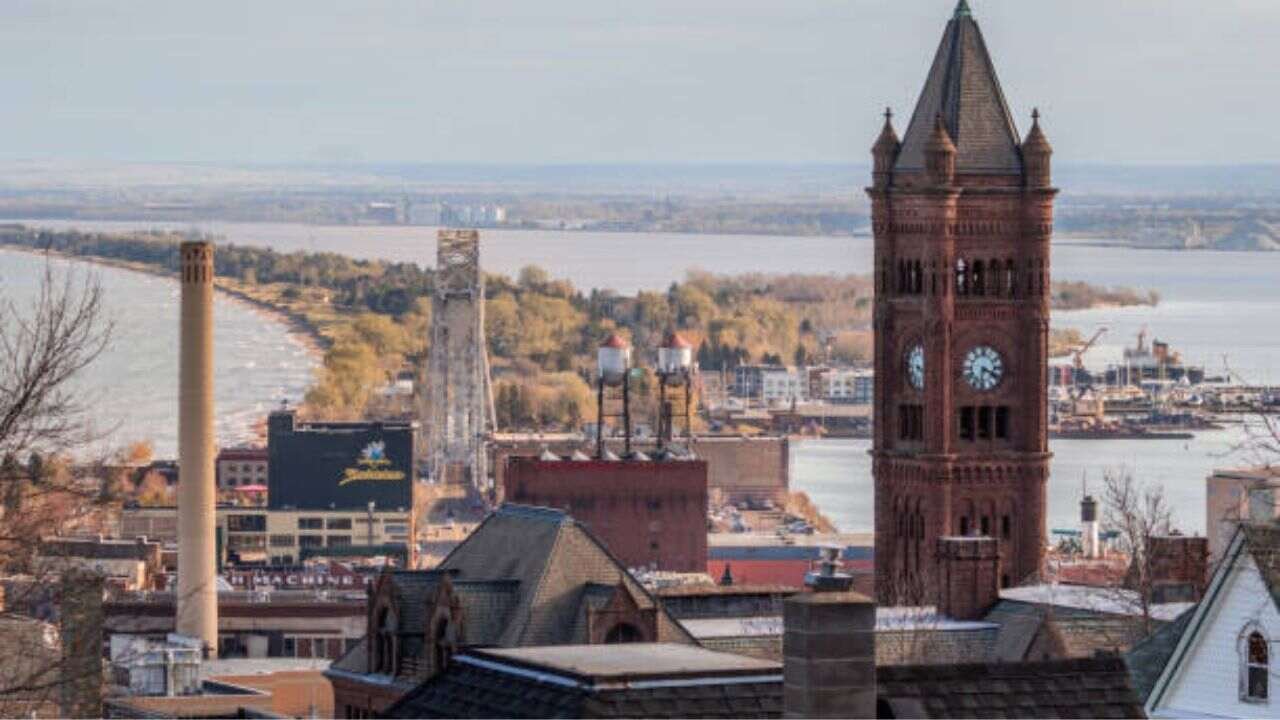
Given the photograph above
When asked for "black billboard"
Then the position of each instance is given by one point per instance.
(343, 466)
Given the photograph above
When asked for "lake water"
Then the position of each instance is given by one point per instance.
(1218, 309)
(133, 386)
(1215, 303)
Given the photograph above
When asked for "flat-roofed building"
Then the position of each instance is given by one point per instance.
(1235, 495)
(241, 467)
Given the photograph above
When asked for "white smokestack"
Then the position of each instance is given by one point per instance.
(197, 599)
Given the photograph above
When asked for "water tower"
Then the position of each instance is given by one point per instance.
(675, 369)
(613, 370)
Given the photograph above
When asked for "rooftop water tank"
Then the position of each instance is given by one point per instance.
(613, 359)
(675, 357)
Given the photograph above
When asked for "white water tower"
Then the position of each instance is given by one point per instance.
(613, 360)
(613, 368)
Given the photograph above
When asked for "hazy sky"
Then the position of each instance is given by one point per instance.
(566, 81)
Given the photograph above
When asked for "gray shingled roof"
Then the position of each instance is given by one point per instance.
(1096, 687)
(550, 558)
(963, 88)
(1147, 659)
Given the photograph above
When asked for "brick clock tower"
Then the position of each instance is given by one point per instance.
(962, 214)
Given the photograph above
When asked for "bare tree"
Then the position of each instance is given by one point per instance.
(908, 622)
(43, 346)
(1138, 512)
(45, 421)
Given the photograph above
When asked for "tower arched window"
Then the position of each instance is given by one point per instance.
(978, 283)
(1010, 278)
(962, 277)
(997, 278)
(917, 278)
(1255, 666)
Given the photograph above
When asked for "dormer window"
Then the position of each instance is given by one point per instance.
(1255, 666)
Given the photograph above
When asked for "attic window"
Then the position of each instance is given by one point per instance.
(1255, 668)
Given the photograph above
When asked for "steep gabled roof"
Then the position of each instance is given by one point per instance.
(962, 87)
(550, 558)
(1256, 542)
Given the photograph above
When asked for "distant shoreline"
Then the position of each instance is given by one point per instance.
(295, 325)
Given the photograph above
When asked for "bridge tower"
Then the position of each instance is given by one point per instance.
(459, 411)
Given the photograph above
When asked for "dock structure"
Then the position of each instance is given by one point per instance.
(459, 397)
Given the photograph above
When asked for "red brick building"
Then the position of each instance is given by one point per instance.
(962, 213)
(648, 513)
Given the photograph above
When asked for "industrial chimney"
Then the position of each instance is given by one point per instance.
(197, 599)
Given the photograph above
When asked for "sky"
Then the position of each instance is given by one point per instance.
(605, 81)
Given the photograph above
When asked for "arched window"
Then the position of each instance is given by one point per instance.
(964, 527)
(962, 277)
(1010, 278)
(997, 278)
(917, 278)
(978, 284)
(1255, 666)
(623, 633)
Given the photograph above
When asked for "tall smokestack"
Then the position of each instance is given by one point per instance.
(197, 591)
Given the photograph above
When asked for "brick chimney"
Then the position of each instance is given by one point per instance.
(1179, 567)
(829, 649)
(968, 576)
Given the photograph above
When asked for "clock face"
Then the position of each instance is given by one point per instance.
(915, 366)
(983, 368)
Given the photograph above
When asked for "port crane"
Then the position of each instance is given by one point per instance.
(1077, 360)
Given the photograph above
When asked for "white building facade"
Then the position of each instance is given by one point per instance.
(1224, 664)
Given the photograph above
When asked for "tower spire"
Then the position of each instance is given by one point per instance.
(962, 87)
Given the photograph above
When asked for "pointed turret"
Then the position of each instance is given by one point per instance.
(940, 154)
(885, 152)
(1036, 155)
(962, 87)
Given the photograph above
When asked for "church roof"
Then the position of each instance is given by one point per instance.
(963, 89)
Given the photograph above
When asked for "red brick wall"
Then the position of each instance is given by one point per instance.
(1179, 560)
(937, 482)
(969, 572)
(739, 468)
(644, 512)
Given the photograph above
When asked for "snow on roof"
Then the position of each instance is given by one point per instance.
(1116, 601)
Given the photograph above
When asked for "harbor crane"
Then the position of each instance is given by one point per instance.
(1077, 360)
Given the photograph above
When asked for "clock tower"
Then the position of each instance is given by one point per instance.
(962, 213)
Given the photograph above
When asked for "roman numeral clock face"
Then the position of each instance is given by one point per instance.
(983, 368)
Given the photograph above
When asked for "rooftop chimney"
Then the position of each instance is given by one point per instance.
(197, 601)
(969, 576)
(829, 655)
